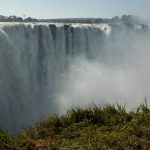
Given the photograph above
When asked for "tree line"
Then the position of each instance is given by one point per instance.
(16, 19)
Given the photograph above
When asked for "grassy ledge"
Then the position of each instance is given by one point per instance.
(92, 128)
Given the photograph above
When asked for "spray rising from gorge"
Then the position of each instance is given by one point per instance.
(46, 68)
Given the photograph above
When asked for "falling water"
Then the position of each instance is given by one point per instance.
(42, 67)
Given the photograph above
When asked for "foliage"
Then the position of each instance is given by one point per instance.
(94, 128)
(16, 19)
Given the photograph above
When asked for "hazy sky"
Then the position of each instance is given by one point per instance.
(74, 8)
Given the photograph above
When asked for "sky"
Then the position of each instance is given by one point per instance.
(44, 9)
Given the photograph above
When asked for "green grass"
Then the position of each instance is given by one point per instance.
(91, 128)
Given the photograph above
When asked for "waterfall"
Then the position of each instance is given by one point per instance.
(32, 59)
(35, 57)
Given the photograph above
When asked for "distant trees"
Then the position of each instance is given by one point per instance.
(130, 19)
(126, 19)
(16, 19)
(115, 19)
(29, 19)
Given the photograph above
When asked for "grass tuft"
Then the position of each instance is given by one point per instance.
(90, 128)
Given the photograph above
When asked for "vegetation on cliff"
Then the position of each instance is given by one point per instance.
(91, 128)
